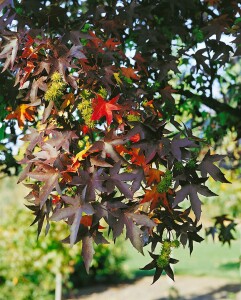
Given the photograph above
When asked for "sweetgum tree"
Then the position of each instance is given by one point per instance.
(98, 88)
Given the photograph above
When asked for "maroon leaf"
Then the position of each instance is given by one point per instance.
(60, 139)
(36, 85)
(35, 137)
(47, 111)
(90, 182)
(48, 154)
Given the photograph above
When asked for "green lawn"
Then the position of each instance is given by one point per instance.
(207, 259)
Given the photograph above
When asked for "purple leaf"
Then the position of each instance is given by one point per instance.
(189, 190)
(87, 251)
(49, 176)
(116, 179)
(207, 166)
(177, 144)
(73, 213)
(141, 219)
(134, 233)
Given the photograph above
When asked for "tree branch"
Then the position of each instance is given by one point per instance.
(213, 104)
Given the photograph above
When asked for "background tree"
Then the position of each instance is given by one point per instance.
(106, 86)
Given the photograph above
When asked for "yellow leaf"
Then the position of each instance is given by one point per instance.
(80, 155)
(117, 78)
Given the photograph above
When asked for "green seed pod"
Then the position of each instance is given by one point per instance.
(191, 164)
(166, 182)
(163, 259)
(162, 187)
(162, 262)
(175, 244)
(178, 166)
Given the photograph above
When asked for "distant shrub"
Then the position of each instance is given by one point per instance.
(28, 267)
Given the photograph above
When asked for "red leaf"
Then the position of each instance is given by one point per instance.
(86, 220)
(135, 138)
(28, 69)
(103, 108)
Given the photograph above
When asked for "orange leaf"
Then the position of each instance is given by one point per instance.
(130, 73)
(121, 149)
(154, 176)
(68, 99)
(137, 159)
(111, 44)
(22, 113)
(29, 53)
(156, 199)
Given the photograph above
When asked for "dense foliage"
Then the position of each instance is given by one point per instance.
(99, 90)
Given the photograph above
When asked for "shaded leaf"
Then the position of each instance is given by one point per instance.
(49, 176)
(87, 251)
(207, 166)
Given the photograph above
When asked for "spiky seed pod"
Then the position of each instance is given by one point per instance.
(56, 88)
(165, 183)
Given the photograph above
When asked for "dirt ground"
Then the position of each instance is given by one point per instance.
(188, 288)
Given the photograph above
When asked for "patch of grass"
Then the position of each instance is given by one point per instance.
(208, 259)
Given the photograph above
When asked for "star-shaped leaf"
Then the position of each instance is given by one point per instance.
(191, 190)
(73, 213)
(159, 270)
(22, 113)
(9, 50)
(103, 108)
(130, 73)
(87, 251)
(207, 166)
(49, 176)
(119, 180)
